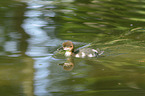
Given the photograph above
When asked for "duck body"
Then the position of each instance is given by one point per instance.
(86, 52)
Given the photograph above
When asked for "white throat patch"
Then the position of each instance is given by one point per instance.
(68, 53)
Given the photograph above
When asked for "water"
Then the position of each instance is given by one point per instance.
(32, 30)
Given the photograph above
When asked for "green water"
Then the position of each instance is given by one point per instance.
(32, 30)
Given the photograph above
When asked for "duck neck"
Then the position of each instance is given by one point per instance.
(68, 53)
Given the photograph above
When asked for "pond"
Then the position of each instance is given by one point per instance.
(32, 30)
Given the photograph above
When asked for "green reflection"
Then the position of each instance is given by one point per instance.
(100, 19)
(16, 69)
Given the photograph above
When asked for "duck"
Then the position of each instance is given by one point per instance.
(68, 47)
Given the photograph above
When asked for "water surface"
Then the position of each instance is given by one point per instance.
(32, 30)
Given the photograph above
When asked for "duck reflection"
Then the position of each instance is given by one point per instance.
(68, 65)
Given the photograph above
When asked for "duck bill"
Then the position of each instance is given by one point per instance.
(61, 48)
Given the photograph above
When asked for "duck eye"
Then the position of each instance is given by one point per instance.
(70, 46)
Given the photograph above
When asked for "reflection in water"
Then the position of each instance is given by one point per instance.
(16, 68)
(32, 26)
(68, 65)
(38, 45)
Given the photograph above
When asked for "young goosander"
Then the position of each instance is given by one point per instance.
(84, 52)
